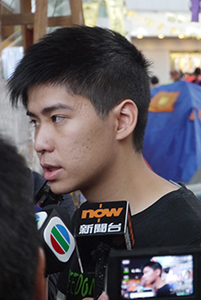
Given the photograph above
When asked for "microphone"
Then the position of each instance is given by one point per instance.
(100, 228)
(37, 208)
(58, 243)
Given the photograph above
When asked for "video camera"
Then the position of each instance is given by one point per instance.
(181, 272)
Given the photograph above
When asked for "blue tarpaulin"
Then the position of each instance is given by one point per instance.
(172, 144)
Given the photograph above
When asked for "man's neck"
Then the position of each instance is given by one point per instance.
(159, 283)
(134, 182)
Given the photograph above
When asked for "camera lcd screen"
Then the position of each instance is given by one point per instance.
(157, 276)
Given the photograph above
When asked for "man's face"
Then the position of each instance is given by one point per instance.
(149, 275)
(75, 146)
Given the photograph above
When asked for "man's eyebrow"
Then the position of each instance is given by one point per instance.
(30, 114)
(49, 109)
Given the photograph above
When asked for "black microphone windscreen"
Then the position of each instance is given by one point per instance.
(62, 211)
(107, 223)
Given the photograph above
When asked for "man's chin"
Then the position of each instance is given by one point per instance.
(57, 188)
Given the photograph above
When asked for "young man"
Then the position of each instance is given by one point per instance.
(152, 272)
(87, 93)
(22, 261)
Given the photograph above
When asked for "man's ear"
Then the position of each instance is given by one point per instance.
(158, 272)
(126, 114)
(41, 282)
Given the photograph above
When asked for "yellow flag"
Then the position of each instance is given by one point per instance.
(163, 101)
(90, 11)
(115, 9)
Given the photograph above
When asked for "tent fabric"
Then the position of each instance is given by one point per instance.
(172, 144)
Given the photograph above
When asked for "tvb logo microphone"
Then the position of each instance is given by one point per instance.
(58, 241)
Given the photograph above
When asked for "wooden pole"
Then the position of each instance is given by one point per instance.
(77, 16)
(40, 19)
(27, 30)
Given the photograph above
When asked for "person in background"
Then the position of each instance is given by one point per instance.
(87, 93)
(197, 74)
(154, 82)
(175, 75)
(22, 261)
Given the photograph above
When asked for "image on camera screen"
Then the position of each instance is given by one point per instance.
(158, 276)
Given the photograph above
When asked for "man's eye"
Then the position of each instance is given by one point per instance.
(34, 123)
(57, 119)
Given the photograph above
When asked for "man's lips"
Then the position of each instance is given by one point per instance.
(51, 172)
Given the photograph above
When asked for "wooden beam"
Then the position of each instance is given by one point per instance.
(40, 19)
(28, 19)
(6, 31)
(59, 21)
(17, 19)
(77, 12)
(27, 31)
(34, 25)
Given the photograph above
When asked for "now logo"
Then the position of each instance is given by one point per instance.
(101, 212)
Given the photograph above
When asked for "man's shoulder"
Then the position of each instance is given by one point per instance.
(184, 195)
(173, 220)
(164, 291)
(189, 200)
(182, 203)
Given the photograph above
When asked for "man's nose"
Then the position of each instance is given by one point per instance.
(43, 140)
